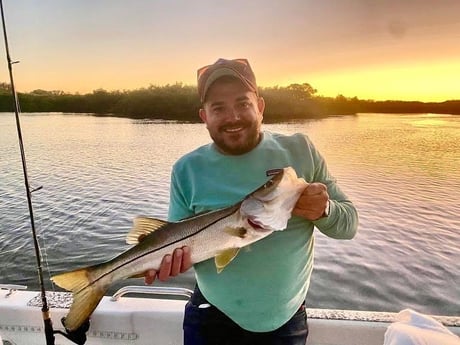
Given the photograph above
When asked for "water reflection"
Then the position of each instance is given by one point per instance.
(402, 171)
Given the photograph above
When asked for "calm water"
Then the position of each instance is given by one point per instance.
(402, 172)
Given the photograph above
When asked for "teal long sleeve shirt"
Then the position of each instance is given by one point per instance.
(266, 283)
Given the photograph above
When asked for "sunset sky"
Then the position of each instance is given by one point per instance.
(372, 49)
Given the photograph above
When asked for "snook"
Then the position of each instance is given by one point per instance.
(217, 234)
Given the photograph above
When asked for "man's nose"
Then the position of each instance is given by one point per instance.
(234, 114)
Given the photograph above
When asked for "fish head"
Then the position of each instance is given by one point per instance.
(270, 206)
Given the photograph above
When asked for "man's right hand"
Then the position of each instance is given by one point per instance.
(171, 265)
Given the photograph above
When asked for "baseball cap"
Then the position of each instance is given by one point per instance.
(238, 68)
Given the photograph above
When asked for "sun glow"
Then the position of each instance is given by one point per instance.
(434, 82)
(403, 50)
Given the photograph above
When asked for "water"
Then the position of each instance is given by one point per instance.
(97, 173)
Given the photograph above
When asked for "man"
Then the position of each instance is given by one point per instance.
(259, 298)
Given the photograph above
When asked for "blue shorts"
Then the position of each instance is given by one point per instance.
(206, 325)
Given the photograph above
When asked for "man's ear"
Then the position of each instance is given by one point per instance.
(261, 105)
(202, 114)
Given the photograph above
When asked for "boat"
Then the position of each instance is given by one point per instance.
(144, 315)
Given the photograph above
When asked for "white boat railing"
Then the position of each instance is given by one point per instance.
(12, 288)
(151, 290)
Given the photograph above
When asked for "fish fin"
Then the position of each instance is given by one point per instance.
(224, 258)
(73, 280)
(86, 294)
(238, 232)
(142, 226)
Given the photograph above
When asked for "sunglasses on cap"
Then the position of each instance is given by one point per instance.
(235, 63)
(238, 68)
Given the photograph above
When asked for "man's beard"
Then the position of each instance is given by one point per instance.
(253, 139)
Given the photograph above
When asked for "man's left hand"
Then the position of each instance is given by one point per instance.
(313, 202)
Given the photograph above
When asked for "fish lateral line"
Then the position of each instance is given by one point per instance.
(143, 254)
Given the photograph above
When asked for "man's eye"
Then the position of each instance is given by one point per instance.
(244, 105)
(217, 109)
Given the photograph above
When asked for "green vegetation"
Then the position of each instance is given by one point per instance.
(180, 102)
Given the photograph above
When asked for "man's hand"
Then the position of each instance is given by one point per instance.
(313, 201)
(171, 265)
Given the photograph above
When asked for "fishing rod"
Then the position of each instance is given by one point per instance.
(78, 336)
(45, 309)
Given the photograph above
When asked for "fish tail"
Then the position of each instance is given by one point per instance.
(87, 293)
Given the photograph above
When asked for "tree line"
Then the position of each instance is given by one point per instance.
(180, 102)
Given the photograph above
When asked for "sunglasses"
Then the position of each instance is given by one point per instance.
(239, 65)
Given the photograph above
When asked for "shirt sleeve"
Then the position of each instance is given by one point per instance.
(342, 221)
(178, 206)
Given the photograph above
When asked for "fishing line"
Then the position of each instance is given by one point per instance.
(44, 252)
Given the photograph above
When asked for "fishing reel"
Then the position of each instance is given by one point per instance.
(77, 336)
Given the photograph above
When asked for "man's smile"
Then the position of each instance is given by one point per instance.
(233, 129)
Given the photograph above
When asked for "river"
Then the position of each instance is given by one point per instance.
(98, 173)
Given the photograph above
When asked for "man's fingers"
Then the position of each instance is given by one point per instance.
(186, 259)
(171, 265)
(181, 261)
(312, 202)
(165, 268)
(176, 262)
(150, 276)
(315, 188)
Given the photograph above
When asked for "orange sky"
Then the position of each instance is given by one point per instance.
(382, 49)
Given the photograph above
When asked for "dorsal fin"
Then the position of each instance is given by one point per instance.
(142, 226)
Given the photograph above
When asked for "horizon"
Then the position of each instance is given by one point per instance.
(385, 50)
(318, 94)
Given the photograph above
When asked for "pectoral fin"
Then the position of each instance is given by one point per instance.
(224, 258)
(238, 232)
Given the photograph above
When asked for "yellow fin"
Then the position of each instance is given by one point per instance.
(142, 226)
(86, 294)
(225, 257)
(238, 232)
(72, 281)
(83, 305)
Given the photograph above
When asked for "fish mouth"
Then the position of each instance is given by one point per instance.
(257, 225)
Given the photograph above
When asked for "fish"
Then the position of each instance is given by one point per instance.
(218, 234)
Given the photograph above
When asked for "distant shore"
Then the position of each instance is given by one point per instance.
(180, 102)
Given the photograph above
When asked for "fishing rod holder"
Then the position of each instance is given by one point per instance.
(151, 290)
(36, 189)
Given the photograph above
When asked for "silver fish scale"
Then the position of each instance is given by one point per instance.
(149, 252)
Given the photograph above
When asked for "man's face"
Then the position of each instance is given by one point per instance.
(233, 116)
